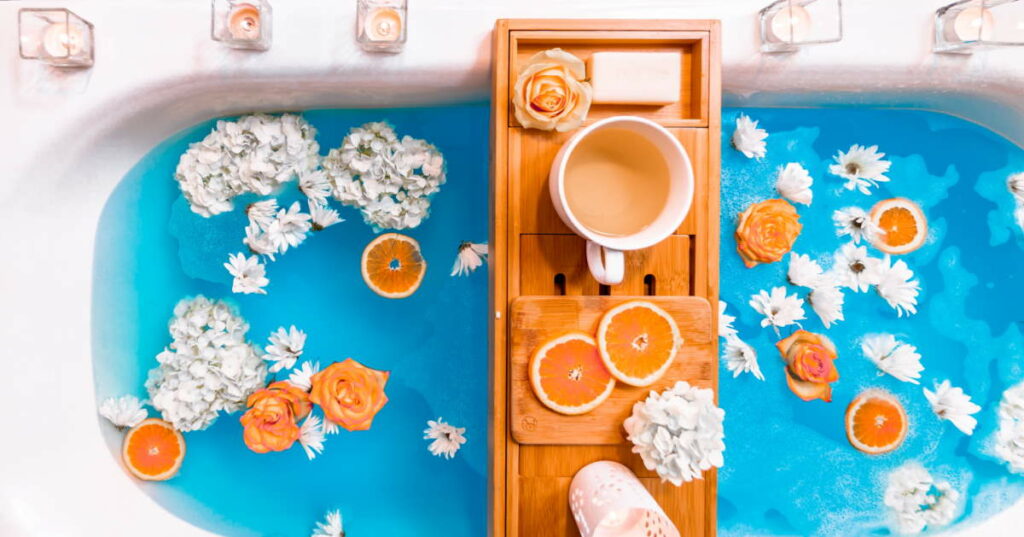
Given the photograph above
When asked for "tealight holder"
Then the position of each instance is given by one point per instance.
(57, 37)
(787, 25)
(242, 24)
(381, 25)
(967, 25)
(607, 500)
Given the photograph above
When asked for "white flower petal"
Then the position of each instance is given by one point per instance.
(470, 256)
(330, 527)
(950, 403)
(794, 183)
(124, 411)
(917, 501)
(748, 138)
(896, 358)
(778, 308)
(447, 439)
(741, 358)
(862, 167)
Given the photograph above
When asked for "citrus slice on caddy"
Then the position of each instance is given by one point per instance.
(568, 376)
(153, 450)
(393, 266)
(638, 341)
(876, 422)
(902, 223)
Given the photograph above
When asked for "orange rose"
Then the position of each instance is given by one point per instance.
(550, 92)
(767, 231)
(350, 393)
(270, 422)
(810, 366)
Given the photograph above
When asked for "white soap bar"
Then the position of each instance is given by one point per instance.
(635, 77)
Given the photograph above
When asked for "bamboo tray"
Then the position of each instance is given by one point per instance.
(534, 254)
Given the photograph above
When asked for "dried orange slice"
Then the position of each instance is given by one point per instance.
(393, 266)
(638, 341)
(568, 376)
(902, 224)
(876, 422)
(153, 450)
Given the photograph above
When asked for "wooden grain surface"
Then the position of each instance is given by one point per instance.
(536, 319)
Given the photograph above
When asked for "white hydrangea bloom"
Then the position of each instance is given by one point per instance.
(855, 223)
(725, 328)
(950, 403)
(918, 501)
(741, 358)
(862, 167)
(896, 358)
(748, 138)
(447, 439)
(894, 282)
(285, 348)
(778, 308)
(804, 271)
(794, 183)
(1010, 435)
(471, 255)
(388, 179)
(678, 432)
(125, 411)
(209, 366)
(330, 527)
(256, 154)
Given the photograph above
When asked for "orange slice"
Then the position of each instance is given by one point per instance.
(903, 226)
(568, 376)
(638, 341)
(393, 266)
(153, 450)
(876, 422)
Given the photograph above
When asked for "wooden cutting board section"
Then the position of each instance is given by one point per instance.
(535, 319)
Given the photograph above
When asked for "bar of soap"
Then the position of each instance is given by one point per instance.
(635, 77)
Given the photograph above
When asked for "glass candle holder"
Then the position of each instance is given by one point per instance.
(787, 25)
(967, 25)
(243, 24)
(381, 25)
(55, 36)
(607, 500)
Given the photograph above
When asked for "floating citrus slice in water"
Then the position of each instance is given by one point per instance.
(153, 450)
(876, 422)
(638, 341)
(568, 376)
(393, 266)
(902, 223)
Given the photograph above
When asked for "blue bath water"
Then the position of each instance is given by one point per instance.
(152, 251)
(789, 469)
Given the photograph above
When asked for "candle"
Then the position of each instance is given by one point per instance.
(791, 24)
(383, 24)
(244, 22)
(972, 24)
(62, 41)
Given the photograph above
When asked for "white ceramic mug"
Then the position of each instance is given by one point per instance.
(604, 252)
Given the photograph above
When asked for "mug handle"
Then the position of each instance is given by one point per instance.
(608, 271)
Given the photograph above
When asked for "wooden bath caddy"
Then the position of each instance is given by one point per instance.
(540, 281)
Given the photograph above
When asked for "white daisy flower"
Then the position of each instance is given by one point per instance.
(1018, 215)
(794, 183)
(315, 185)
(917, 501)
(285, 348)
(862, 167)
(779, 310)
(322, 215)
(1010, 435)
(250, 276)
(1015, 184)
(855, 222)
(302, 376)
(447, 439)
(741, 358)
(804, 271)
(854, 268)
(289, 228)
(259, 242)
(470, 256)
(894, 282)
(261, 213)
(953, 404)
(125, 411)
(896, 358)
(311, 436)
(748, 138)
(330, 527)
(725, 328)
(827, 301)
(331, 428)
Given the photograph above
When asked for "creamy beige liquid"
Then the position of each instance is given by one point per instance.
(616, 182)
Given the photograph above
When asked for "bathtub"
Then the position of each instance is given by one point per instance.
(69, 138)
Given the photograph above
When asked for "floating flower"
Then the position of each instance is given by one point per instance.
(551, 92)
(794, 183)
(896, 358)
(810, 367)
(855, 223)
(302, 376)
(778, 308)
(918, 501)
(259, 242)
(125, 411)
(209, 367)
(894, 283)
(1015, 184)
(741, 358)
(350, 393)
(854, 268)
(311, 436)
(953, 404)
(804, 271)
(262, 213)
(678, 432)
(767, 231)
(289, 228)
(270, 423)
(725, 328)
(862, 167)
(322, 216)
(330, 527)
(470, 256)
(447, 439)
(1010, 435)
(315, 185)
(748, 138)
(827, 301)
(285, 348)
(250, 276)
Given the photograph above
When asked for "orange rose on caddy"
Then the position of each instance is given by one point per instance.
(767, 231)
(810, 367)
(270, 423)
(350, 393)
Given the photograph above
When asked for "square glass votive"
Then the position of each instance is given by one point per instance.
(243, 24)
(381, 25)
(966, 25)
(55, 36)
(787, 25)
